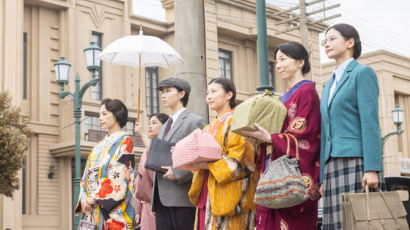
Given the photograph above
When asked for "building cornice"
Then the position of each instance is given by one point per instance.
(167, 4)
(67, 149)
(44, 128)
(50, 3)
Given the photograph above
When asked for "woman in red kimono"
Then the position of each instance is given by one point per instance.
(302, 129)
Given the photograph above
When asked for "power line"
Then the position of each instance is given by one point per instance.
(371, 34)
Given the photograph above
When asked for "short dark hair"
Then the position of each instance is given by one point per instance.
(162, 117)
(296, 51)
(185, 99)
(118, 109)
(228, 86)
(348, 31)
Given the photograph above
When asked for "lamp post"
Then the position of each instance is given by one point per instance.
(398, 120)
(62, 70)
(262, 41)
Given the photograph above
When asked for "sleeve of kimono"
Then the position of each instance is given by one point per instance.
(112, 190)
(367, 103)
(233, 166)
(138, 206)
(83, 190)
(183, 176)
(306, 122)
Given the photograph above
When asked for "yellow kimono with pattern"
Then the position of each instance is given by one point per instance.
(231, 182)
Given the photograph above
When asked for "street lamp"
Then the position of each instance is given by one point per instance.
(62, 69)
(397, 120)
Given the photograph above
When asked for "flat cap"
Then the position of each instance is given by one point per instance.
(175, 81)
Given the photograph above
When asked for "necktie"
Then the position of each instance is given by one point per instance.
(169, 124)
(333, 79)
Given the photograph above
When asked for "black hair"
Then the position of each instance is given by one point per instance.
(227, 85)
(296, 51)
(348, 31)
(185, 99)
(118, 109)
(162, 117)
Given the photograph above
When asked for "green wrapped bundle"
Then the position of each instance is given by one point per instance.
(265, 109)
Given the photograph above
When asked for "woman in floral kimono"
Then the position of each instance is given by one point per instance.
(223, 190)
(107, 185)
(301, 129)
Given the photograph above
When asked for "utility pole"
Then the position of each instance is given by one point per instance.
(305, 21)
(190, 44)
(304, 32)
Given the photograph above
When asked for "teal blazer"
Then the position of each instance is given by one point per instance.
(350, 123)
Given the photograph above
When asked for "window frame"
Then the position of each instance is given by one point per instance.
(25, 64)
(222, 72)
(99, 85)
(151, 92)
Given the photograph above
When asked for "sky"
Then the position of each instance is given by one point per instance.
(382, 24)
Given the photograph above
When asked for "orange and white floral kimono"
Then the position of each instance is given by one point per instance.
(109, 179)
(230, 181)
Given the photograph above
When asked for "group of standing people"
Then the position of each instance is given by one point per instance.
(337, 138)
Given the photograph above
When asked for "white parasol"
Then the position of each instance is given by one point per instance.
(140, 51)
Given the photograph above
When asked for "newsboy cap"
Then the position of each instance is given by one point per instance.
(176, 82)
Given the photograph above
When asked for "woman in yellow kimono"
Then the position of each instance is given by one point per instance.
(106, 189)
(223, 190)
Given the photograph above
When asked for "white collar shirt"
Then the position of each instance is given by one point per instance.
(339, 73)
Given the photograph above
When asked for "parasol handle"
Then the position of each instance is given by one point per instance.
(139, 90)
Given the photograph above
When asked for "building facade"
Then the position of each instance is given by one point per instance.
(35, 33)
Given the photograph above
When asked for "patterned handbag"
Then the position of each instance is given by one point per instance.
(281, 185)
(87, 225)
(199, 146)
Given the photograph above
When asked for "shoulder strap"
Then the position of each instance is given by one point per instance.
(296, 145)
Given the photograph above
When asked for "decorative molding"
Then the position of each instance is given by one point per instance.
(44, 128)
(97, 15)
(67, 149)
(167, 4)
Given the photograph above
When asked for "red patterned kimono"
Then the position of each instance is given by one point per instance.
(303, 122)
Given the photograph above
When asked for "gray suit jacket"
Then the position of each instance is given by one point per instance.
(174, 193)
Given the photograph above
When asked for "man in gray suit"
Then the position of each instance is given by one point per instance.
(173, 209)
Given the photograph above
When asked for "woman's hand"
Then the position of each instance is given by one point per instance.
(169, 174)
(88, 204)
(199, 166)
(260, 134)
(321, 190)
(137, 218)
(251, 140)
(370, 178)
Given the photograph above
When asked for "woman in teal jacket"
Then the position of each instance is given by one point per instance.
(350, 155)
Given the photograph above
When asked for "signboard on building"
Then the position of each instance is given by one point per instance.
(405, 165)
